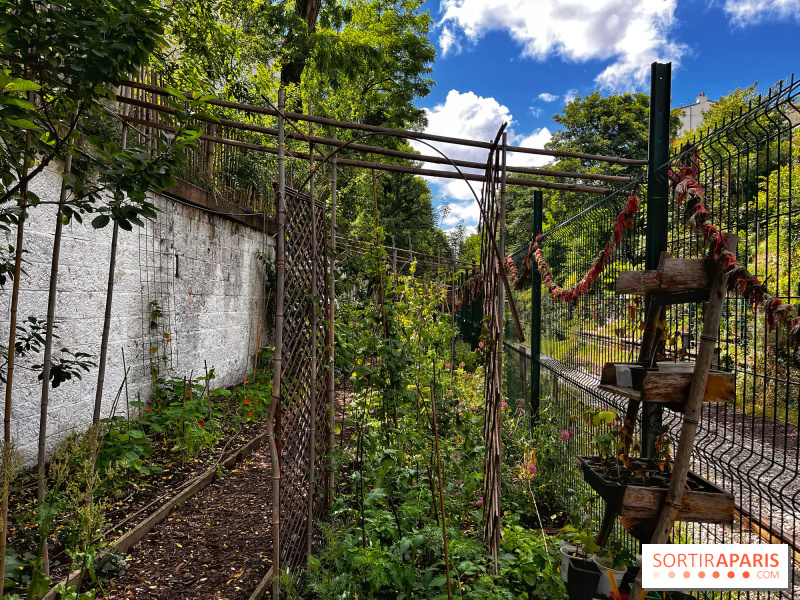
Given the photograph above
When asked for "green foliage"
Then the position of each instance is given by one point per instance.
(183, 412)
(125, 446)
(528, 566)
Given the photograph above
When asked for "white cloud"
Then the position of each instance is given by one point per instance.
(629, 34)
(467, 115)
(752, 12)
(545, 97)
(536, 111)
(468, 230)
(570, 95)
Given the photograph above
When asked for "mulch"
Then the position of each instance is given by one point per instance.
(216, 545)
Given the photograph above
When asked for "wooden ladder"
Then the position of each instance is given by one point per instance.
(676, 281)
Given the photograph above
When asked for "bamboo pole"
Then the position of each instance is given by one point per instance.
(312, 438)
(332, 335)
(381, 151)
(12, 333)
(439, 477)
(572, 187)
(280, 267)
(397, 132)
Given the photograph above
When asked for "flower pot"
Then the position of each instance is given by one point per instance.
(668, 366)
(568, 552)
(604, 585)
(584, 577)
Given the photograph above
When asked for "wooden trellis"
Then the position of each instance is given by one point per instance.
(492, 224)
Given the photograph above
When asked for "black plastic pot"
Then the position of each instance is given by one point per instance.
(582, 579)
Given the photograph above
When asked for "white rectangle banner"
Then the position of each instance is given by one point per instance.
(723, 567)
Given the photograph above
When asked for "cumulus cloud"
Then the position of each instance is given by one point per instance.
(467, 115)
(545, 97)
(751, 12)
(629, 34)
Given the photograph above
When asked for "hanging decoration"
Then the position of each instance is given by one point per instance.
(688, 190)
(570, 295)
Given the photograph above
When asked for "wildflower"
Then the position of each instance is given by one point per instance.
(457, 454)
(202, 423)
(521, 401)
(247, 401)
(520, 411)
(147, 409)
(504, 405)
(480, 344)
(564, 436)
(461, 366)
(531, 468)
(447, 366)
(479, 503)
(249, 414)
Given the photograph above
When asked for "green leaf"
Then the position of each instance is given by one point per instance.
(100, 221)
(21, 85)
(439, 581)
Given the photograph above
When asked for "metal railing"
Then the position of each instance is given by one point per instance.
(749, 167)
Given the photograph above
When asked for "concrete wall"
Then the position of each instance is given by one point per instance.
(200, 267)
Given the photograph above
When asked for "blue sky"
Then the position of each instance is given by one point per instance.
(520, 60)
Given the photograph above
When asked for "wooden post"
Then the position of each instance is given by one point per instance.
(331, 334)
(312, 438)
(273, 419)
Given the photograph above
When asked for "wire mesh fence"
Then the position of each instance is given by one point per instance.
(748, 166)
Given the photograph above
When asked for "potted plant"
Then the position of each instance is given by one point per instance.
(580, 546)
(615, 558)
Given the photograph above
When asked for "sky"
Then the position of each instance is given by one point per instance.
(520, 60)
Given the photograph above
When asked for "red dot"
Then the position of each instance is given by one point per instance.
(701, 574)
(731, 574)
(746, 574)
(716, 574)
(686, 574)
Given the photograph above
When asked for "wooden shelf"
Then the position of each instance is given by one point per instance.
(629, 393)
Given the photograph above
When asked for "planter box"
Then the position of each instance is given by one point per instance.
(667, 389)
(703, 503)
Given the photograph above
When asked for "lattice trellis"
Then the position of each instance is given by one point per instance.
(302, 413)
(493, 322)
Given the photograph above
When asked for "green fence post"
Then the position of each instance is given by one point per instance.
(536, 313)
(657, 206)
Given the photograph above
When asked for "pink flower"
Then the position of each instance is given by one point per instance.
(531, 469)
(459, 482)
(461, 365)
(564, 436)
(479, 503)
(447, 365)
(457, 454)
(520, 411)
(480, 344)
(521, 402)
(504, 405)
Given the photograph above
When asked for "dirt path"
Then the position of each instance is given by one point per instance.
(217, 545)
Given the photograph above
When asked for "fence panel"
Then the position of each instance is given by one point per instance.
(748, 167)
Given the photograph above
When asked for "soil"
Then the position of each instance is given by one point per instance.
(216, 545)
(640, 472)
(136, 498)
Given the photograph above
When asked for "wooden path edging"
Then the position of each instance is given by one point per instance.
(136, 534)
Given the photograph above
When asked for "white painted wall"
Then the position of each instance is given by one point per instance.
(209, 306)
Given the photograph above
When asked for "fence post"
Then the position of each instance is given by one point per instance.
(657, 206)
(536, 314)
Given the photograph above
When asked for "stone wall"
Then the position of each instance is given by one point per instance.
(202, 270)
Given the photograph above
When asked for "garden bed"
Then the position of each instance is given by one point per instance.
(638, 491)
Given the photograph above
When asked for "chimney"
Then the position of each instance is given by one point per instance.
(700, 97)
